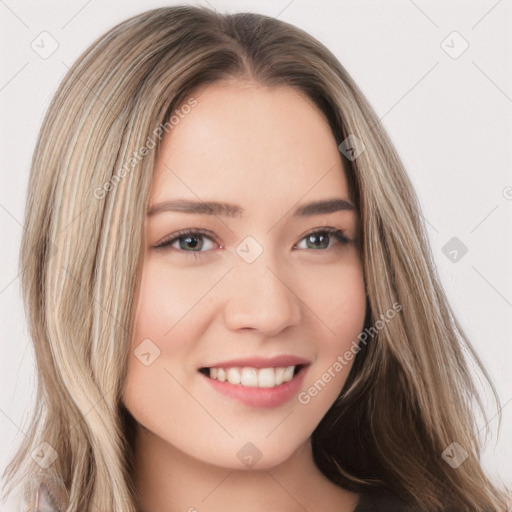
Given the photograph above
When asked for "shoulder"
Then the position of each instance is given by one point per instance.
(43, 500)
(381, 503)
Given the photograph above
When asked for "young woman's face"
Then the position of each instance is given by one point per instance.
(271, 282)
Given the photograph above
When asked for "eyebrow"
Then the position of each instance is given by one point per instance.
(232, 210)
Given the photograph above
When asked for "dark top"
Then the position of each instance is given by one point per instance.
(366, 503)
(369, 503)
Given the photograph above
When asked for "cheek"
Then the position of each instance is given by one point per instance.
(336, 296)
(174, 298)
(173, 312)
(166, 295)
(170, 318)
(340, 304)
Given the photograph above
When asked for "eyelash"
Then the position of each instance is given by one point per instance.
(337, 233)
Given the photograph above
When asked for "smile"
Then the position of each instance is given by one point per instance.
(265, 387)
(253, 377)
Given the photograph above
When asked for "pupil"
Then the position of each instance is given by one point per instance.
(315, 239)
(191, 240)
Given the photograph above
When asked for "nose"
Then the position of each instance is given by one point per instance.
(261, 298)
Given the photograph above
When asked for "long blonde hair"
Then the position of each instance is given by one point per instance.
(409, 394)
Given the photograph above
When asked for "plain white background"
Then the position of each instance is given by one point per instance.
(449, 116)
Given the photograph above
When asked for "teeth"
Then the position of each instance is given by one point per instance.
(233, 376)
(266, 378)
(288, 373)
(249, 377)
(253, 377)
(279, 379)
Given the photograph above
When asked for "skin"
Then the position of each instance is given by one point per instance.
(269, 151)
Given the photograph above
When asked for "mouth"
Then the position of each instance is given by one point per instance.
(251, 377)
(263, 387)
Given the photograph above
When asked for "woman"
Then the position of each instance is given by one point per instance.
(304, 356)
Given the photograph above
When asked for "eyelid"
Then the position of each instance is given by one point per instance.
(183, 232)
(339, 234)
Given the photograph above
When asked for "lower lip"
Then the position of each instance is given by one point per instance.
(265, 398)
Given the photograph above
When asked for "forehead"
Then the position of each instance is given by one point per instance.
(250, 145)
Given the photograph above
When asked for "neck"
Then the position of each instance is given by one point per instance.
(168, 480)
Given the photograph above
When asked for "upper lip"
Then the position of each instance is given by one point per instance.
(261, 362)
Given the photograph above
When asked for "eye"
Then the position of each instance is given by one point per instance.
(321, 238)
(200, 240)
(191, 241)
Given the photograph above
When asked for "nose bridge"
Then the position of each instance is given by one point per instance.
(261, 296)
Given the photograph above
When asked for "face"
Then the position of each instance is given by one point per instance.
(267, 293)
